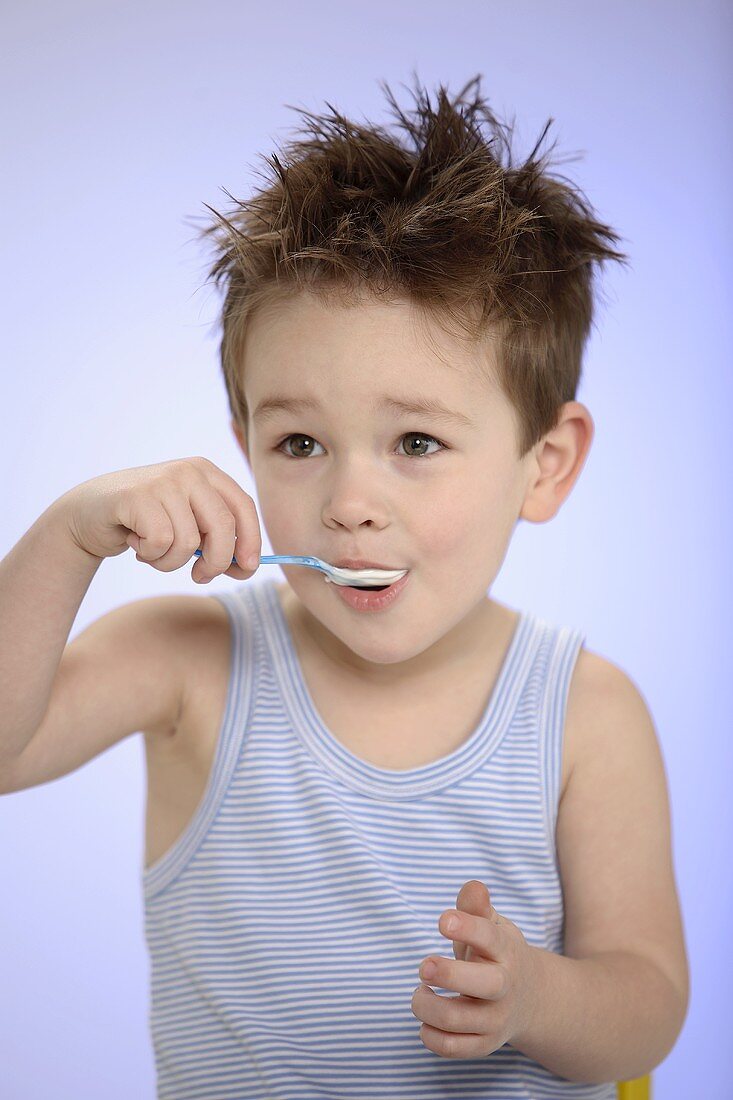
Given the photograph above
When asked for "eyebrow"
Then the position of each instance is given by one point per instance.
(416, 406)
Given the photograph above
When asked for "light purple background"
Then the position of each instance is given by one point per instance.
(119, 120)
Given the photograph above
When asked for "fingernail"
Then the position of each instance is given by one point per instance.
(253, 561)
(428, 970)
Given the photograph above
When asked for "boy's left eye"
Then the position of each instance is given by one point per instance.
(422, 437)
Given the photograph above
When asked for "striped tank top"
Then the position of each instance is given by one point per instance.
(286, 924)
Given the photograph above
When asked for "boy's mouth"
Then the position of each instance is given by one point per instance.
(374, 597)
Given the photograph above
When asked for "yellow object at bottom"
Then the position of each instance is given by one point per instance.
(638, 1089)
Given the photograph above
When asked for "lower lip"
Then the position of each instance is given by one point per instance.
(363, 600)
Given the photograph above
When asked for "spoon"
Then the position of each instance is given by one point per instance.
(347, 578)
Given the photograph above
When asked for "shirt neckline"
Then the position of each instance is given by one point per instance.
(369, 778)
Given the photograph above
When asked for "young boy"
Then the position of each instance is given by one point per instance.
(334, 774)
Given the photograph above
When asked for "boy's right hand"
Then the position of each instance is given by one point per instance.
(165, 512)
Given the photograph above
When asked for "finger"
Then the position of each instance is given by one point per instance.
(462, 1015)
(474, 897)
(151, 529)
(247, 522)
(482, 934)
(459, 950)
(217, 530)
(182, 536)
(477, 978)
(450, 1045)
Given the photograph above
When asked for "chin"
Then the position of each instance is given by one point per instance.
(379, 654)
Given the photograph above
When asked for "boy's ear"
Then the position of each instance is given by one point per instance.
(556, 464)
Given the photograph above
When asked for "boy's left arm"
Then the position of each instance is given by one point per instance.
(612, 1006)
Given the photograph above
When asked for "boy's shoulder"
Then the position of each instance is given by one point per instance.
(598, 682)
(601, 696)
(595, 674)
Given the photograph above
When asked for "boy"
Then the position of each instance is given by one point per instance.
(329, 769)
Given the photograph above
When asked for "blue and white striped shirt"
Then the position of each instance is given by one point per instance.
(287, 923)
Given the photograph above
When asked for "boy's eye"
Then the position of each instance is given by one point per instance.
(310, 443)
(421, 440)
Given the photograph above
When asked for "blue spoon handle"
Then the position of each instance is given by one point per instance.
(281, 559)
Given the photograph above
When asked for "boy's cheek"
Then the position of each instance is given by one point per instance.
(463, 527)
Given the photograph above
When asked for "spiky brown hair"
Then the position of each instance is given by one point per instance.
(487, 248)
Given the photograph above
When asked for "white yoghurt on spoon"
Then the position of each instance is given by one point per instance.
(363, 578)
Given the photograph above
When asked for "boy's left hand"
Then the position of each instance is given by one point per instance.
(495, 971)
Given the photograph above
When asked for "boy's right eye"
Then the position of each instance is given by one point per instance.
(296, 436)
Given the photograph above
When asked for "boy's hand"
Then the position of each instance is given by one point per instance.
(495, 974)
(165, 512)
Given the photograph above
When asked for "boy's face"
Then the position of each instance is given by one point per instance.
(355, 481)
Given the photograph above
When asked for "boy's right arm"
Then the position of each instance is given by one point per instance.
(61, 704)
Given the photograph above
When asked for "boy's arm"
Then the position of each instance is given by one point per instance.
(61, 704)
(43, 581)
(611, 1008)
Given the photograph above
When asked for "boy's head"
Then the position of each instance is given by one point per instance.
(369, 273)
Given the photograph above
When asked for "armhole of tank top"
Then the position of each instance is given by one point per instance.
(563, 655)
(232, 731)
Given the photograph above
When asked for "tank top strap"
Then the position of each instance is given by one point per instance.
(240, 697)
(561, 649)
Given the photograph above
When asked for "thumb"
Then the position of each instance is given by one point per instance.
(473, 897)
